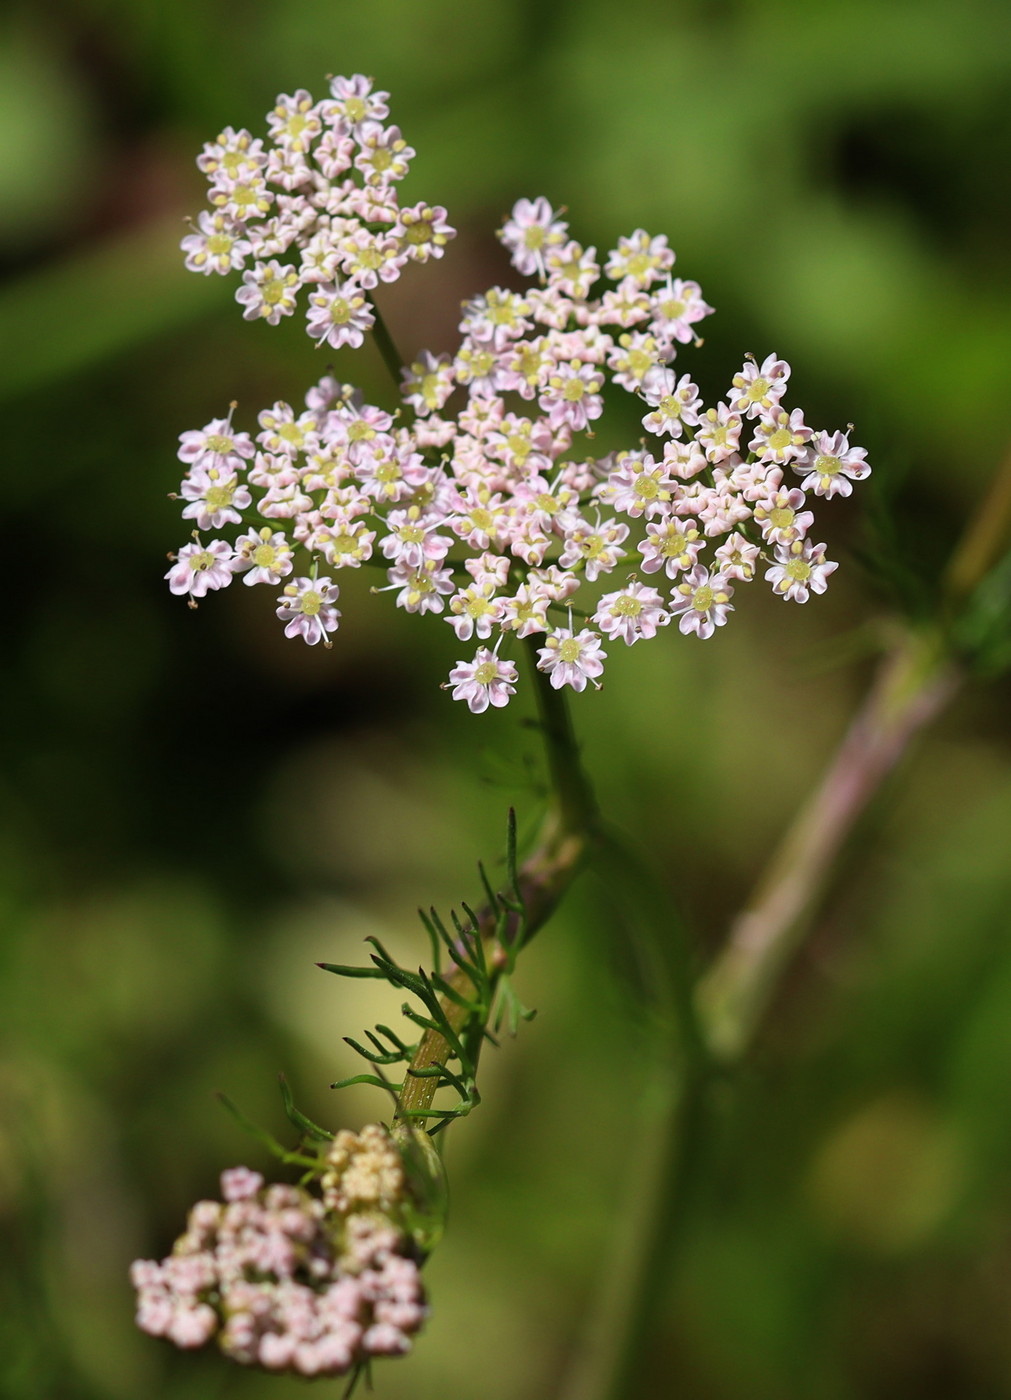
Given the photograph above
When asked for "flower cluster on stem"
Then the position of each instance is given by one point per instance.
(290, 1280)
(314, 210)
(481, 495)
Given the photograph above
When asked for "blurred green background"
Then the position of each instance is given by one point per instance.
(195, 810)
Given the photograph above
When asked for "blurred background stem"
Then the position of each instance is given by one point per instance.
(917, 677)
(914, 682)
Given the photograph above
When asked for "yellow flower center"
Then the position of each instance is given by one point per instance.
(219, 496)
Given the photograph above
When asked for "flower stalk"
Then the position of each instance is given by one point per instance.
(542, 879)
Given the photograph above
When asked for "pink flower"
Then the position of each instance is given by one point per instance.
(640, 258)
(217, 247)
(532, 228)
(339, 315)
(216, 446)
(268, 290)
(676, 401)
(672, 545)
(215, 498)
(800, 570)
(383, 153)
(701, 602)
(676, 308)
(484, 681)
(200, 568)
(295, 122)
(424, 231)
(572, 396)
(758, 389)
(832, 465)
(781, 517)
(736, 558)
(307, 606)
(633, 613)
(719, 433)
(572, 269)
(239, 1183)
(782, 438)
(263, 556)
(638, 486)
(571, 658)
(354, 103)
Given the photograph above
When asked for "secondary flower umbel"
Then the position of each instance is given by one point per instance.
(290, 1280)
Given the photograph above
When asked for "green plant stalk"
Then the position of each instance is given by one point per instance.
(543, 878)
(385, 345)
(914, 682)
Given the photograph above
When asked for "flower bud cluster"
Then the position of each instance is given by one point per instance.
(290, 1282)
(482, 498)
(314, 207)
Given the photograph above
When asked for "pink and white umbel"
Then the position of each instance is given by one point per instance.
(289, 1280)
(480, 495)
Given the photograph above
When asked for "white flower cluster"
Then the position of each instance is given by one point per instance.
(287, 1281)
(321, 198)
(481, 496)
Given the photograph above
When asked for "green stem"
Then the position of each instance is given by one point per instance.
(386, 346)
(914, 683)
(543, 879)
(576, 805)
(665, 1162)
